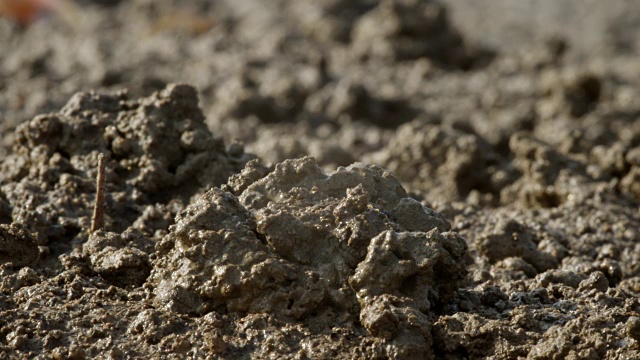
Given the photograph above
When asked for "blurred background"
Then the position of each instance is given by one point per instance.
(344, 80)
(588, 25)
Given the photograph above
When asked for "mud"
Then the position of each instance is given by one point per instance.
(315, 179)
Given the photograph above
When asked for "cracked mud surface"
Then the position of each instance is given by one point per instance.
(314, 179)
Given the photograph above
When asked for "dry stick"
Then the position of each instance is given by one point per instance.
(97, 221)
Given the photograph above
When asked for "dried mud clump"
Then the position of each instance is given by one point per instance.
(548, 177)
(572, 92)
(351, 100)
(329, 20)
(120, 259)
(511, 239)
(390, 285)
(397, 30)
(301, 244)
(156, 149)
(441, 162)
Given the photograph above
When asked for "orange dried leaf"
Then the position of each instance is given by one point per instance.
(26, 12)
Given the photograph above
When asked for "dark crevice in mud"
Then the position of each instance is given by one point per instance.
(70, 232)
(182, 192)
(260, 236)
(409, 285)
(64, 154)
(548, 200)
(62, 245)
(172, 169)
(123, 218)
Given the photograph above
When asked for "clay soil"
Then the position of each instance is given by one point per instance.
(304, 179)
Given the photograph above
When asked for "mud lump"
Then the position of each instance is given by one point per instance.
(463, 162)
(298, 242)
(409, 29)
(120, 259)
(157, 149)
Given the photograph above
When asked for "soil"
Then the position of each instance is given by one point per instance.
(314, 179)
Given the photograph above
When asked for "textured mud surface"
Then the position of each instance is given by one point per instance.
(341, 179)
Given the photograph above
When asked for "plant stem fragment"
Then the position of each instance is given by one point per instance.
(97, 221)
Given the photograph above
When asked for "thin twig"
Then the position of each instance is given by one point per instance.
(97, 221)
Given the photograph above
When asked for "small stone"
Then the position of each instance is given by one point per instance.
(216, 343)
(18, 342)
(568, 278)
(116, 354)
(597, 280)
(76, 353)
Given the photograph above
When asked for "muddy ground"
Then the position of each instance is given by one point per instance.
(315, 179)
